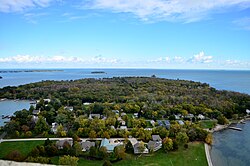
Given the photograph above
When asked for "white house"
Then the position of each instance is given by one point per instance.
(201, 117)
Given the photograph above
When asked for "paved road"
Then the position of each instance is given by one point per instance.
(209, 161)
(56, 139)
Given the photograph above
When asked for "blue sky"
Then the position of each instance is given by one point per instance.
(171, 34)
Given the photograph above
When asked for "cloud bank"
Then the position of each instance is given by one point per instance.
(21, 5)
(57, 59)
(170, 10)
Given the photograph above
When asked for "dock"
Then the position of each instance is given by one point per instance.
(235, 128)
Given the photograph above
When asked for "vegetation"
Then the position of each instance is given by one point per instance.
(133, 102)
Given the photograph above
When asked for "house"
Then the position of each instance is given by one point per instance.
(167, 124)
(156, 138)
(92, 116)
(86, 103)
(116, 112)
(177, 117)
(46, 100)
(154, 145)
(34, 118)
(136, 115)
(189, 116)
(123, 127)
(123, 114)
(87, 145)
(110, 144)
(180, 122)
(61, 143)
(123, 123)
(159, 122)
(152, 122)
(201, 117)
(69, 108)
(35, 112)
(119, 119)
(247, 111)
(137, 149)
(54, 127)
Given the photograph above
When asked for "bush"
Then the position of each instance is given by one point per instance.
(107, 163)
(186, 146)
(15, 155)
(68, 160)
(43, 160)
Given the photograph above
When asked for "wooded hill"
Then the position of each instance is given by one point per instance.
(162, 97)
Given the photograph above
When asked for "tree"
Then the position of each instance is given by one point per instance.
(77, 148)
(141, 147)
(15, 155)
(182, 138)
(103, 152)
(68, 160)
(167, 144)
(107, 163)
(92, 151)
(120, 152)
(92, 134)
(222, 119)
(209, 139)
(106, 135)
(41, 126)
(129, 147)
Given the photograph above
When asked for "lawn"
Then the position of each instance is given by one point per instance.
(23, 146)
(193, 156)
(207, 124)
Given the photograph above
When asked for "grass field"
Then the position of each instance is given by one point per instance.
(207, 124)
(193, 156)
(23, 147)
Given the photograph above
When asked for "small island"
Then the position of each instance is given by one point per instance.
(1, 77)
(25, 71)
(98, 72)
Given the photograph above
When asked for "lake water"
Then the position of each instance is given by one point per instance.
(8, 107)
(231, 147)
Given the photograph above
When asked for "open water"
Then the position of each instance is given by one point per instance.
(230, 148)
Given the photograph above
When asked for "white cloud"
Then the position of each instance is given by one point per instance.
(161, 59)
(243, 23)
(186, 10)
(201, 58)
(21, 5)
(56, 59)
(179, 59)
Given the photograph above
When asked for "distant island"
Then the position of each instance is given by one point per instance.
(98, 72)
(20, 71)
(1, 77)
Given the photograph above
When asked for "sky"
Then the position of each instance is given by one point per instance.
(164, 34)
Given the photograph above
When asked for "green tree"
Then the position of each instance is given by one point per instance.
(120, 152)
(77, 148)
(167, 144)
(129, 147)
(68, 160)
(182, 138)
(41, 126)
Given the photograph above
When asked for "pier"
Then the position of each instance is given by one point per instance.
(235, 128)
